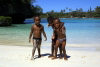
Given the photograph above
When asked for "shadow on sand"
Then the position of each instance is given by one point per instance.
(48, 54)
(42, 55)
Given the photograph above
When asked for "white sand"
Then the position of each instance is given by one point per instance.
(19, 56)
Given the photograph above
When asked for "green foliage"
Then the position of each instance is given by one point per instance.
(38, 9)
(78, 13)
(18, 9)
(5, 21)
(97, 11)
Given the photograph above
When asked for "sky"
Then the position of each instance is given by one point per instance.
(58, 5)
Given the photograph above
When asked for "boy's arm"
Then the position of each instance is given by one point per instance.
(31, 34)
(61, 24)
(53, 36)
(63, 30)
(44, 34)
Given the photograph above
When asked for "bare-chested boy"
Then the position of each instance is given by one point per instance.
(36, 30)
(50, 23)
(60, 33)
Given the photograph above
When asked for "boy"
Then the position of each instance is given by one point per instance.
(50, 23)
(36, 30)
(60, 34)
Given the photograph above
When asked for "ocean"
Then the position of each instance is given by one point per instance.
(78, 31)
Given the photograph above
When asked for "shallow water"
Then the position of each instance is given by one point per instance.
(78, 31)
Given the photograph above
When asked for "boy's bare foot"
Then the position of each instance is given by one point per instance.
(50, 56)
(61, 57)
(54, 58)
(39, 56)
(65, 58)
(32, 58)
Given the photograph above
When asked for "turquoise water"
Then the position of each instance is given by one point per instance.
(78, 31)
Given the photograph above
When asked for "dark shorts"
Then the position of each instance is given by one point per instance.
(37, 42)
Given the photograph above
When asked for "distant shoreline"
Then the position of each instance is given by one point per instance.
(77, 17)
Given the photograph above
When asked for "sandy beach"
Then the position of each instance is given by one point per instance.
(19, 56)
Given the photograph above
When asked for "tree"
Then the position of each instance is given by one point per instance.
(97, 11)
(63, 11)
(89, 13)
(38, 9)
(18, 9)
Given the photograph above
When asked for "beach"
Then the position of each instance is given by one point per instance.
(19, 56)
(69, 30)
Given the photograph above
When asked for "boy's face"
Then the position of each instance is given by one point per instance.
(56, 23)
(37, 20)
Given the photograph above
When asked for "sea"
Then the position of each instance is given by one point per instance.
(78, 31)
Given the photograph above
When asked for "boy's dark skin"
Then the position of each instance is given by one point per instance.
(36, 30)
(50, 21)
(60, 33)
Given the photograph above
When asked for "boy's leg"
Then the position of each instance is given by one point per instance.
(60, 49)
(56, 49)
(64, 50)
(53, 44)
(39, 55)
(39, 51)
(33, 50)
(52, 48)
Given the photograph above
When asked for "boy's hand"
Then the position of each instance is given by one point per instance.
(45, 39)
(53, 37)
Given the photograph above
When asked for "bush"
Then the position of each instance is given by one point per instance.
(5, 21)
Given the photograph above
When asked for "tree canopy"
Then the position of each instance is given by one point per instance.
(79, 13)
(18, 9)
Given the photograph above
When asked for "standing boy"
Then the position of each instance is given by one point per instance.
(60, 34)
(51, 23)
(36, 30)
